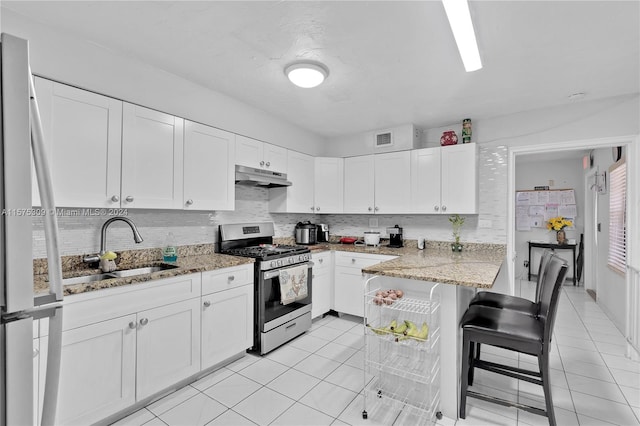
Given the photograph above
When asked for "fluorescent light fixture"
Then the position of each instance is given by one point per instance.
(306, 74)
(462, 27)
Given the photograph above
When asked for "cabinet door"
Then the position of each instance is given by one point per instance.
(152, 151)
(459, 179)
(359, 177)
(329, 185)
(97, 371)
(425, 180)
(297, 198)
(275, 158)
(349, 291)
(227, 324)
(322, 294)
(393, 182)
(168, 346)
(249, 152)
(82, 132)
(209, 172)
(36, 380)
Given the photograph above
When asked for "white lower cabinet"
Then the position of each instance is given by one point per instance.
(97, 371)
(168, 346)
(322, 283)
(227, 324)
(349, 284)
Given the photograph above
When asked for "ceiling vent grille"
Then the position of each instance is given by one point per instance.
(384, 139)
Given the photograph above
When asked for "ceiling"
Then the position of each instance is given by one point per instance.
(390, 62)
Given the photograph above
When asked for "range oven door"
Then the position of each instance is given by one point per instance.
(271, 311)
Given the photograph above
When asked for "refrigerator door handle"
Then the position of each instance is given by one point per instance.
(46, 197)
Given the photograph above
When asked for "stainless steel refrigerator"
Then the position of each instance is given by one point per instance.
(21, 145)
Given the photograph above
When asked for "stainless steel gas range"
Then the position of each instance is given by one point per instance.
(282, 278)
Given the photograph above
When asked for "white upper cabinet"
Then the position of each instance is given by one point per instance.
(209, 172)
(378, 183)
(393, 182)
(297, 198)
(359, 184)
(444, 180)
(460, 179)
(329, 185)
(152, 158)
(82, 133)
(261, 155)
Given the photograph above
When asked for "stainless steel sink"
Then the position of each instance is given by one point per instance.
(116, 274)
(86, 279)
(140, 271)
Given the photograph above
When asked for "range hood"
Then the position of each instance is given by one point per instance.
(258, 177)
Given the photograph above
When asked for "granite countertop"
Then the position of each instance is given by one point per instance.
(189, 261)
(476, 266)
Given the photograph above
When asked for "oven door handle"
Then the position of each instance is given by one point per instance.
(276, 272)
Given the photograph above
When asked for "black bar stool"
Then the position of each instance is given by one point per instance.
(518, 332)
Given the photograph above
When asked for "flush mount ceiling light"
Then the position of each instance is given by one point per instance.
(462, 27)
(306, 74)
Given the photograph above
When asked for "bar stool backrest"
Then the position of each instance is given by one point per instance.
(550, 295)
(542, 270)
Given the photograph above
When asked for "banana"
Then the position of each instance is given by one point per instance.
(400, 329)
(384, 330)
(423, 333)
(411, 330)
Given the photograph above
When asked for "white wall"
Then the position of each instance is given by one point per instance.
(610, 288)
(71, 60)
(566, 174)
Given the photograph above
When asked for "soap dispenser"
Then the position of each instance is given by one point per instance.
(170, 250)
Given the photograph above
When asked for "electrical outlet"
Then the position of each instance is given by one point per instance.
(373, 222)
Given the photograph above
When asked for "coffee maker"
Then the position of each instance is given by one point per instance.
(323, 233)
(395, 236)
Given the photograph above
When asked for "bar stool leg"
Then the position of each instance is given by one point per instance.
(467, 362)
(543, 363)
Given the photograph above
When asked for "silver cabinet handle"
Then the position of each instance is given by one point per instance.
(144, 321)
(317, 208)
(207, 303)
(262, 163)
(313, 276)
(36, 352)
(444, 208)
(115, 198)
(232, 277)
(189, 202)
(320, 260)
(369, 209)
(376, 209)
(268, 164)
(311, 208)
(129, 198)
(436, 208)
(132, 325)
(353, 261)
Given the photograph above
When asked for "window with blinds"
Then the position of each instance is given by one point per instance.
(617, 216)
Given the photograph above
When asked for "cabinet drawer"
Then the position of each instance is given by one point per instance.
(224, 279)
(321, 261)
(359, 260)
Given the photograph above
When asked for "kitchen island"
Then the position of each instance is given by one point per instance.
(460, 275)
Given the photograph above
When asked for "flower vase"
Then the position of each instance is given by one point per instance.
(448, 138)
(561, 237)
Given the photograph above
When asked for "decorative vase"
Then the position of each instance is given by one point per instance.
(466, 130)
(561, 237)
(448, 138)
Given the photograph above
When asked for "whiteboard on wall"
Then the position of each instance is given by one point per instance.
(535, 207)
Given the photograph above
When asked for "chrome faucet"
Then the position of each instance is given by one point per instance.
(103, 237)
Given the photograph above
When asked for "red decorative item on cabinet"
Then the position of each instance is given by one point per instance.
(448, 138)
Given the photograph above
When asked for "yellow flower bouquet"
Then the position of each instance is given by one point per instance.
(558, 223)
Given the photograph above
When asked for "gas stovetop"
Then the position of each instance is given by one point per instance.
(266, 251)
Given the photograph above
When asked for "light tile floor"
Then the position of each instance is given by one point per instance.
(317, 379)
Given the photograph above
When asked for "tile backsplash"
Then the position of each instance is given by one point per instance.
(81, 234)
